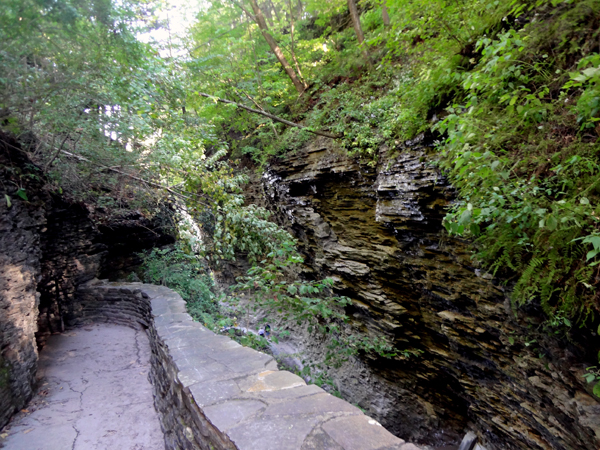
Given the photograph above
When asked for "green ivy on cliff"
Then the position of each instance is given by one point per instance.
(521, 147)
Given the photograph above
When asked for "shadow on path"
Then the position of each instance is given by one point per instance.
(94, 395)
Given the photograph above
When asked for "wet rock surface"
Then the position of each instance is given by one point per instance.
(378, 233)
(94, 394)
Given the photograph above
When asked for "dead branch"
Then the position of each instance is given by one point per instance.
(150, 183)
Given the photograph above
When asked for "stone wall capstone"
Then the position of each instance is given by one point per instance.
(212, 393)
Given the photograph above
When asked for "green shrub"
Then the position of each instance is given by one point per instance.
(187, 275)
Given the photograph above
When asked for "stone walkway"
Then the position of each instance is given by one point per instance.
(94, 395)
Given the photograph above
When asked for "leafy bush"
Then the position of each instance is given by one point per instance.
(530, 201)
(273, 287)
(187, 275)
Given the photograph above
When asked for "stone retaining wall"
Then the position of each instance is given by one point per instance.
(21, 224)
(212, 393)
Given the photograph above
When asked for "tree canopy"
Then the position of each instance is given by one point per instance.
(510, 90)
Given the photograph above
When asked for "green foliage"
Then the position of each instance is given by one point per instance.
(513, 86)
(301, 301)
(527, 173)
(593, 376)
(187, 275)
(251, 340)
(326, 382)
(102, 113)
(527, 176)
(246, 230)
(528, 200)
(272, 287)
(587, 80)
(116, 126)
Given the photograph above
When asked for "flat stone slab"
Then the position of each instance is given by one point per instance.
(210, 391)
(250, 404)
(360, 433)
(94, 394)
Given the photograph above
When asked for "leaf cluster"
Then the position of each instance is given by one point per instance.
(273, 288)
(517, 146)
(186, 274)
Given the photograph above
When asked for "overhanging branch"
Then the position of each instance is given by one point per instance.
(271, 116)
(149, 183)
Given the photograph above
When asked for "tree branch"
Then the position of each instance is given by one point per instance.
(231, 83)
(271, 116)
(243, 8)
(62, 144)
(150, 183)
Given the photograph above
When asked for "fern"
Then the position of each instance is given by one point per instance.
(526, 287)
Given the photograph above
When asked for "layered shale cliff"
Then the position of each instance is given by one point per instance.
(378, 232)
(48, 247)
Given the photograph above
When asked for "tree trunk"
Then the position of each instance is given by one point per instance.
(299, 9)
(293, 50)
(384, 13)
(358, 30)
(262, 24)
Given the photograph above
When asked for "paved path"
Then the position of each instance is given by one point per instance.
(94, 395)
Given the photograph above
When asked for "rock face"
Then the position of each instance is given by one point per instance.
(20, 270)
(71, 255)
(75, 250)
(378, 233)
(48, 247)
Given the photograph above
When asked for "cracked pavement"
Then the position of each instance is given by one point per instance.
(93, 394)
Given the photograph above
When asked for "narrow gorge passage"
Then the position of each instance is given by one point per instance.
(93, 394)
